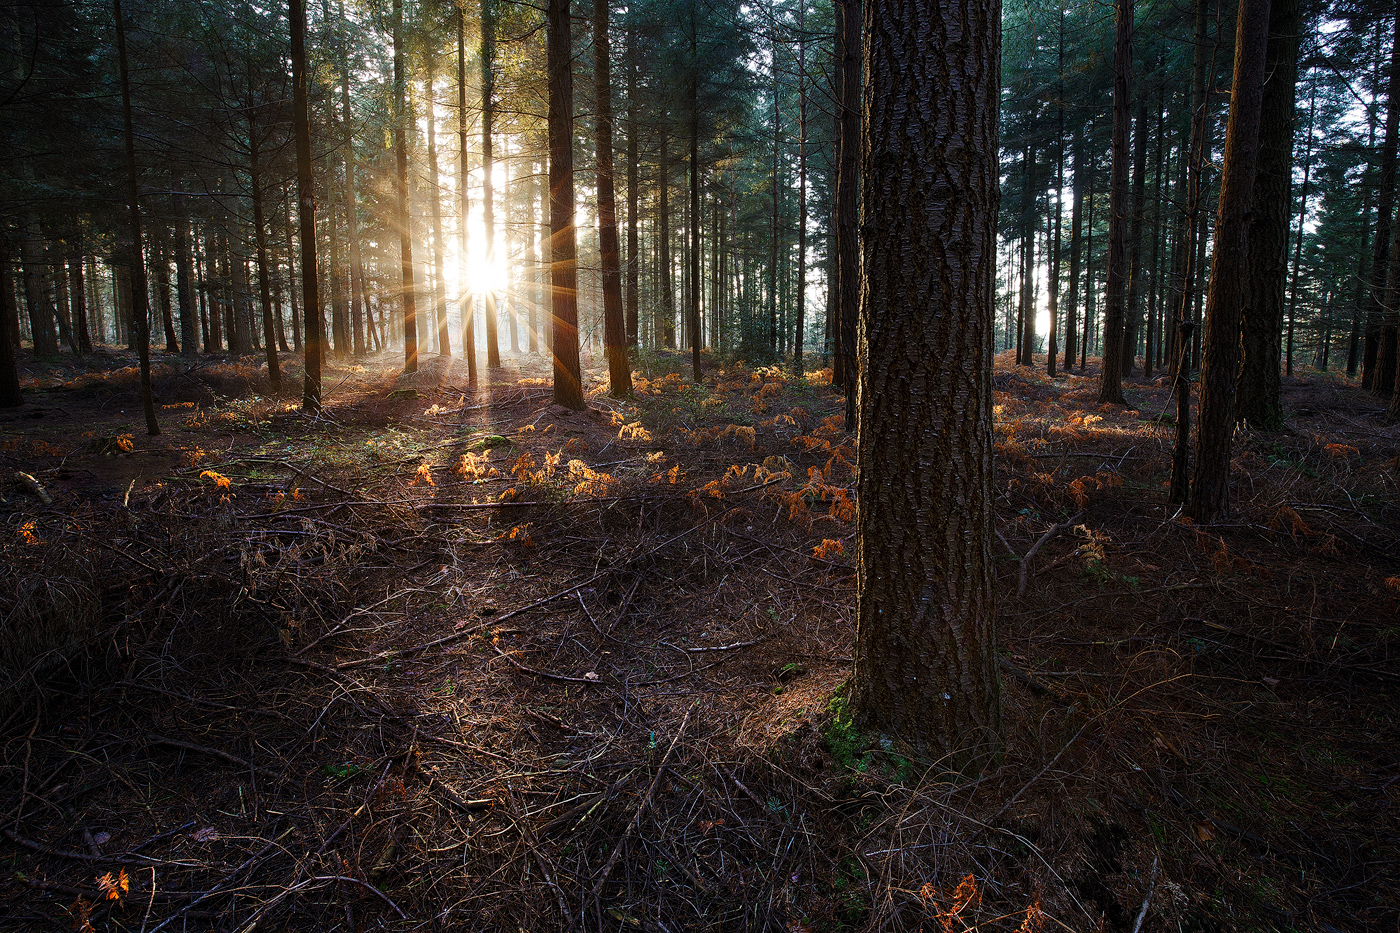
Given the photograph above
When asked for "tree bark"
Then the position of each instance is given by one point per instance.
(614, 323)
(925, 654)
(1115, 297)
(1260, 389)
(488, 194)
(274, 374)
(11, 395)
(1210, 487)
(139, 301)
(314, 340)
(847, 225)
(568, 380)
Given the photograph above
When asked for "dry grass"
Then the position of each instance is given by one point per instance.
(460, 659)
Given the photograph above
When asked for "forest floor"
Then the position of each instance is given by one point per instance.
(452, 657)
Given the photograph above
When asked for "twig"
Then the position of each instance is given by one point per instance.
(641, 808)
(1147, 898)
(548, 675)
(533, 845)
(1050, 533)
(205, 750)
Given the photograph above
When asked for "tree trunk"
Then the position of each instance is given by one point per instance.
(1260, 389)
(614, 323)
(1132, 324)
(10, 394)
(847, 225)
(274, 374)
(1076, 231)
(405, 231)
(140, 311)
(800, 305)
(568, 380)
(439, 244)
(306, 209)
(1384, 217)
(1210, 488)
(925, 653)
(465, 299)
(1115, 297)
(488, 195)
(665, 324)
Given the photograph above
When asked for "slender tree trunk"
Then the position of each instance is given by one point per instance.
(568, 380)
(435, 194)
(488, 195)
(848, 53)
(466, 300)
(1132, 324)
(274, 374)
(140, 312)
(614, 323)
(405, 231)
(306, 209)
(1115, 298)
(1210, 489)
(11, 395)
(1260, 389)
(1384, 217)
(1076, 231)
(693, 220)
(1298, 242)
(800, 305)
(633, 257)
(665, 335)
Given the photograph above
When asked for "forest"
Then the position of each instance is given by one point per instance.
(796, 465)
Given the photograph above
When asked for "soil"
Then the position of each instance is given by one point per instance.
(452, 657)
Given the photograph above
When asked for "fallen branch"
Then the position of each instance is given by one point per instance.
(641, 808)
(548, 675)
(1050, 533)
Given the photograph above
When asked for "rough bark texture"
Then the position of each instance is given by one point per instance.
(568, 386)
(1385, 197)
(925, 656)
(1260, 387)
(614, 324)
(1115, 288)
(1220, 347)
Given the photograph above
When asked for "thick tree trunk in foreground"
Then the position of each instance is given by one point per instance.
(1115, 289)
(1210, 487)
(568, 382)
(466, 301)
(925, 655)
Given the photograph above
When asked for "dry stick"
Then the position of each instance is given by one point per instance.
(533, 845)
(1147, 899)
(558, 594)
(545, 674)
(1026, 561)
(641, 808)
(204, 750)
